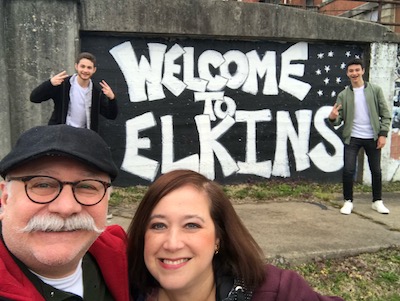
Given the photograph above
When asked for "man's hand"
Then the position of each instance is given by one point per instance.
(107, 90)
(381, 142)
(58, 79)
(335, 111)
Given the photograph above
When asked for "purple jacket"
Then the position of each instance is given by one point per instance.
(286, 285)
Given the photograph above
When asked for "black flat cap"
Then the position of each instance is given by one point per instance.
(60, 140)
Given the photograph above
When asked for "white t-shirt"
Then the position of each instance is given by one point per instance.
(79, 105)
(71, 284)
(362, 127)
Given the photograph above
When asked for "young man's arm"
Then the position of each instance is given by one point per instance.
(48, 88)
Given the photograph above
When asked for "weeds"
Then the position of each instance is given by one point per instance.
(261, 191)
(126, 196)
(368, 276)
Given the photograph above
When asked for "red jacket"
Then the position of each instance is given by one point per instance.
(286, 285)
(109, 250)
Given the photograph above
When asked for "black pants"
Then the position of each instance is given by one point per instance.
(374, 160)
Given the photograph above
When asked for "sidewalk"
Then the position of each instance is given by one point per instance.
(299, 231)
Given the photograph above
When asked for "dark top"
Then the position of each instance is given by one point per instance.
(60, 95)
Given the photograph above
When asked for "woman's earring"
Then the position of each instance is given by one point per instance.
(216, 249)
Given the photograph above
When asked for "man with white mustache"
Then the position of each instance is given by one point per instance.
(366, 116)
(54, 239)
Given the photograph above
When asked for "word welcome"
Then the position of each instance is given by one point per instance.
(146, 79)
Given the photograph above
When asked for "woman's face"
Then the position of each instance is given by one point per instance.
(180, 241)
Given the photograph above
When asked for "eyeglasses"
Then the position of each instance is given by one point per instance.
(45, 189)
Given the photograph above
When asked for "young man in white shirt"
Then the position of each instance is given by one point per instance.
(77, 100)
(363, 110)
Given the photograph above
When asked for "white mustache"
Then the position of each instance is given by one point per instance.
(55, 223)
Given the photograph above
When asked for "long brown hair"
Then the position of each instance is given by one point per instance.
(239, 254)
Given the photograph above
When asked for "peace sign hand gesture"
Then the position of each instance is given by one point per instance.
(335, 111)
(57, 79)
(107, 90)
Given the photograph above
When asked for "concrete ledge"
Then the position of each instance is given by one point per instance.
(226, 19)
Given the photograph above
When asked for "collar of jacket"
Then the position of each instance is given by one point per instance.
(365, 85)
(229, 289)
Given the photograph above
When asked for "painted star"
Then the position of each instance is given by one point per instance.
(320, 55)
(348, 53)
(326, 81)
(327, 69)
(320, 92)
(338, 80)
(333, 93)
(330, 53)
(318, 72)
(342, 65)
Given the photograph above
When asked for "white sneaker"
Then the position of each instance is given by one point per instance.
(347, 207)
(378, 206)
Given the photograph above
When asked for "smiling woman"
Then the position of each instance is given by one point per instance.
(186, 242)
(180, 240)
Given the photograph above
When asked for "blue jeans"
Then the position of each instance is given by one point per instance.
(374, 160)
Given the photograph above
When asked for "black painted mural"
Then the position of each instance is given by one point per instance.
(236, 111)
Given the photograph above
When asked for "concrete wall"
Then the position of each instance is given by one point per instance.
(382, 73)
(222, 19)
(5, 137)
(42, 37)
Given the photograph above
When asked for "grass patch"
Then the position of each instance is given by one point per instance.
(273, 189)
(127, 195)
(262, 191)
(368, 276)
